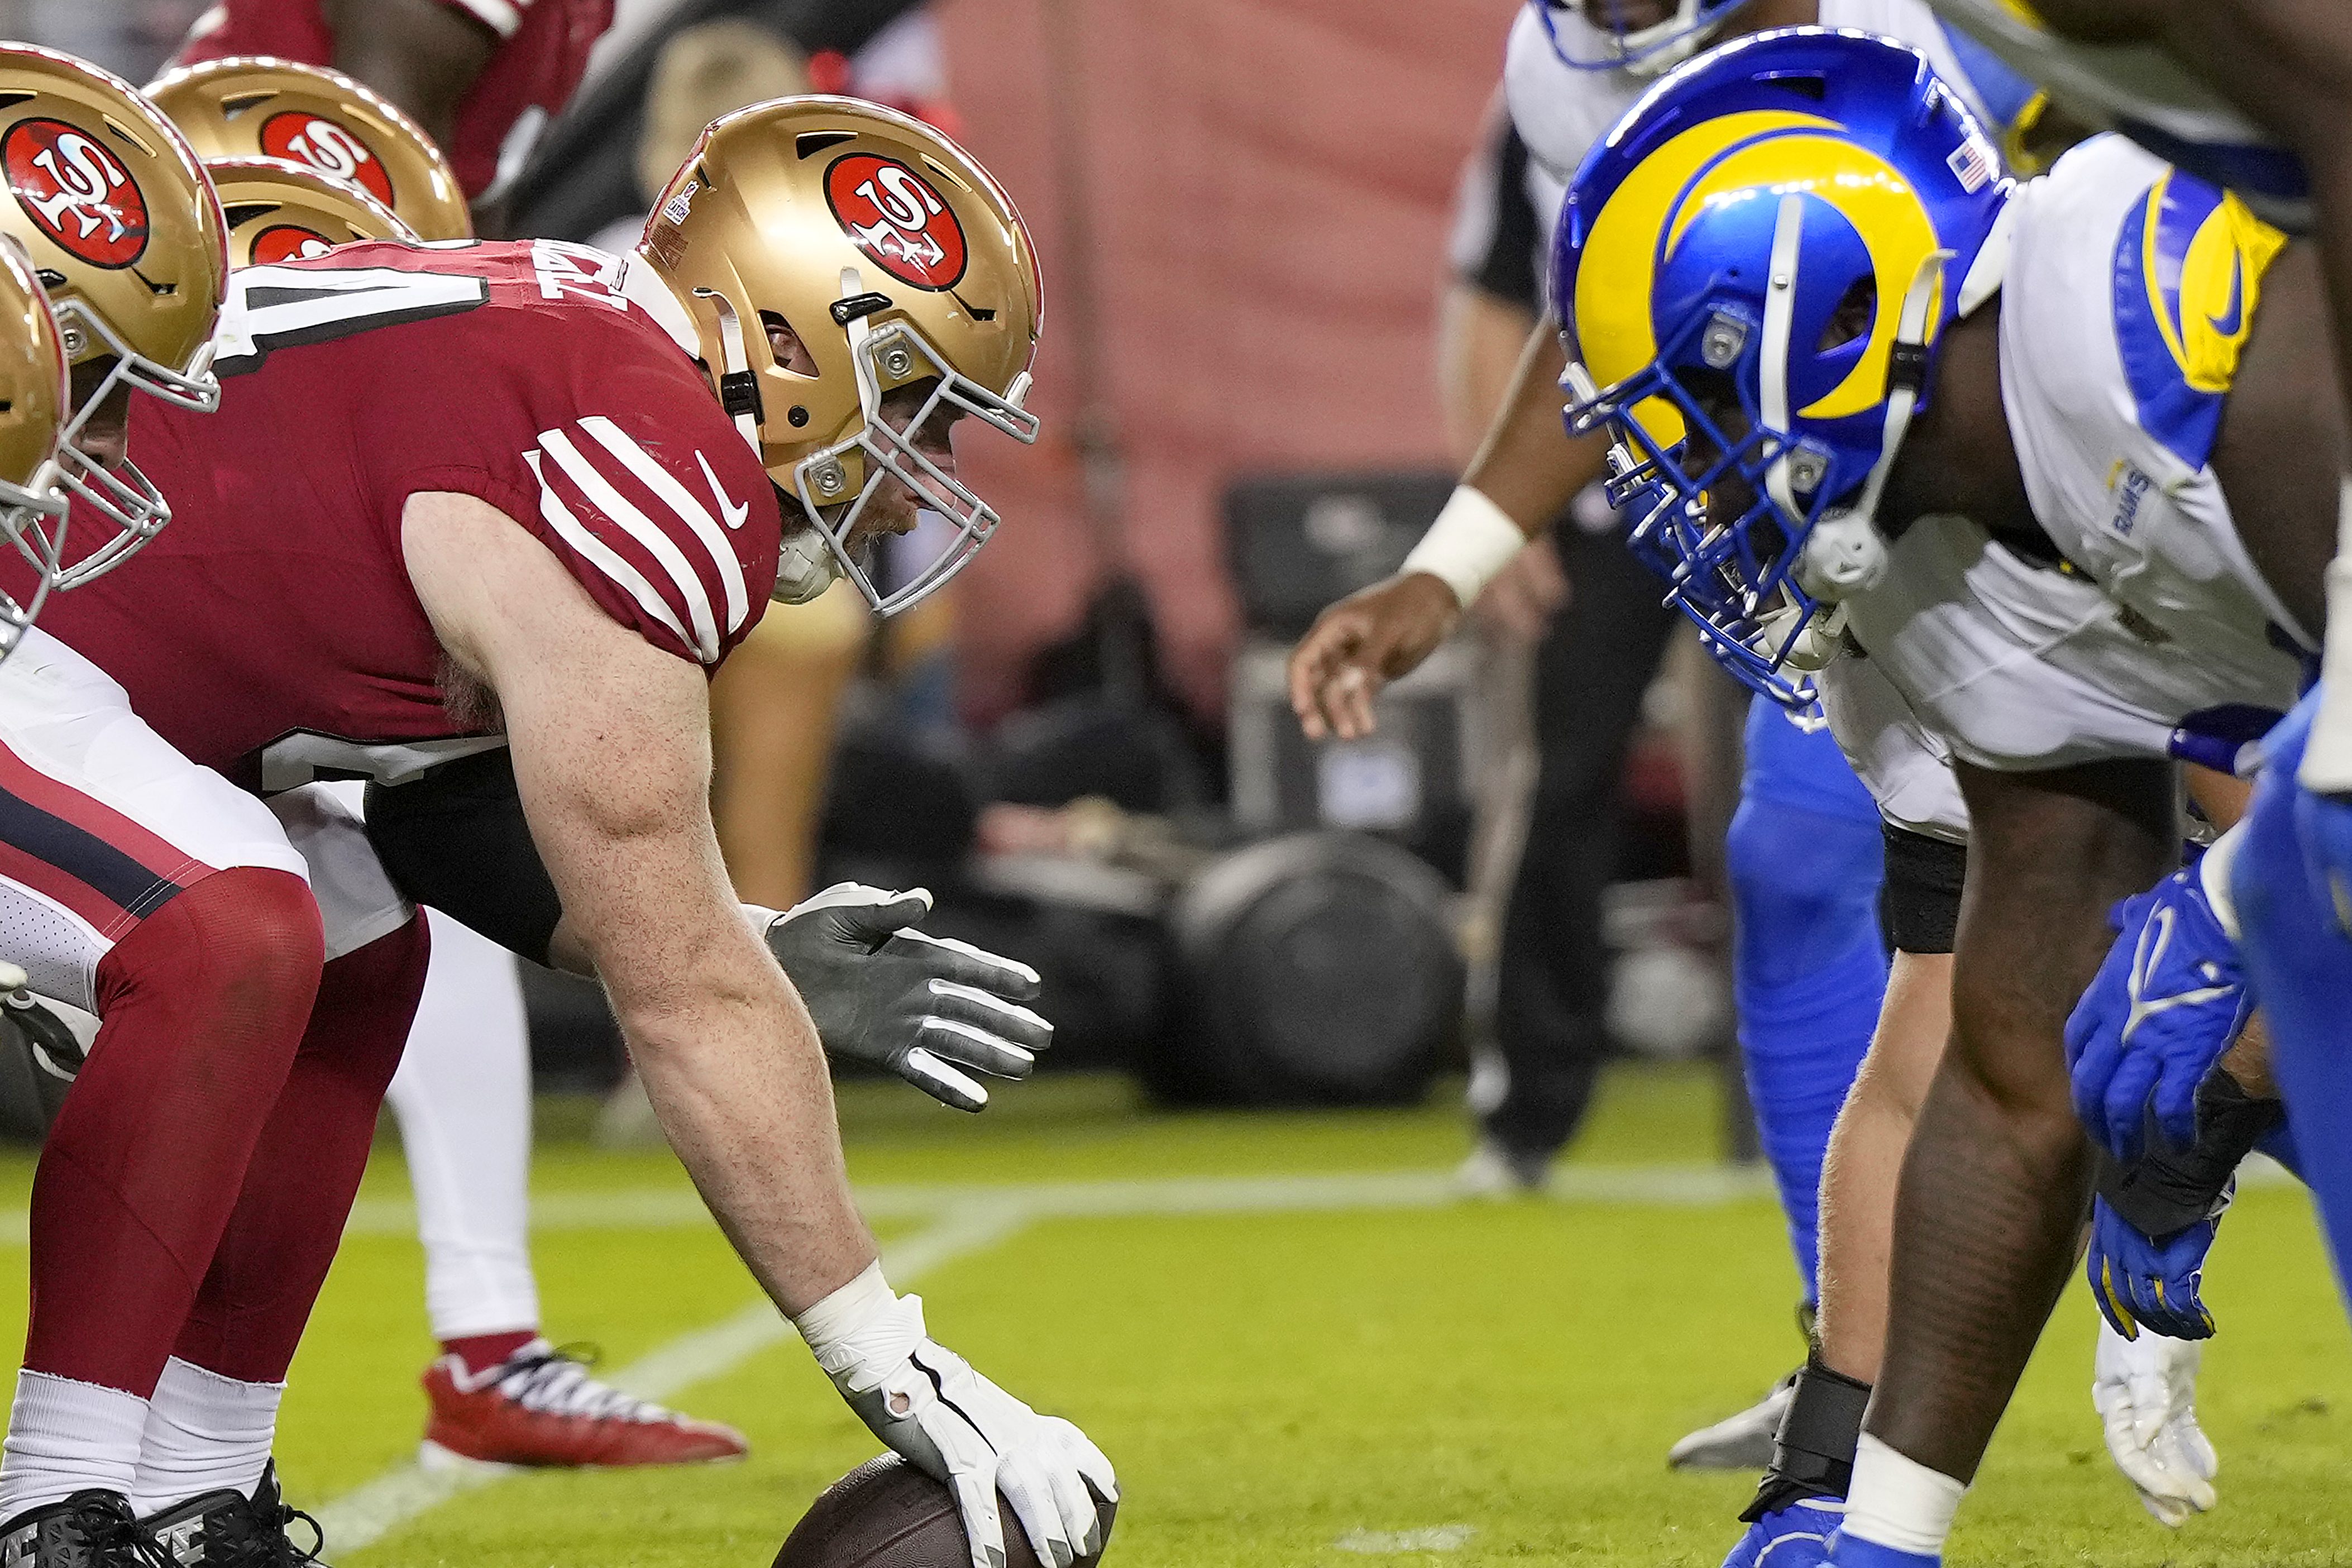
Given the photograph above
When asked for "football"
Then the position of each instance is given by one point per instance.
(887, 1514)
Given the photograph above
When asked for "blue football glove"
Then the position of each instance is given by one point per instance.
(2140, 1282)
(2167, 1002)
(2323, 824)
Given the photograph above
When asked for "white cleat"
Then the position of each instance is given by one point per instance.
(1741, 1442)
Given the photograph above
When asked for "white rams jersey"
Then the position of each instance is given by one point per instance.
(2144, 93)
(1561, 111)
(2130, 291)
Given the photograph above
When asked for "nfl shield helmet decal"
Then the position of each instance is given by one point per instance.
(328, 146)
(896, 216)
(76, 192)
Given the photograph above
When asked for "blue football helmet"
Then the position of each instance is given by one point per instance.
(1593, 34)
(1752, 272)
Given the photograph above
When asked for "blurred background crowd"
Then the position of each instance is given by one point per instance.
(1261, 369)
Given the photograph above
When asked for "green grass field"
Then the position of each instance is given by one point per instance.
(1294, 1348)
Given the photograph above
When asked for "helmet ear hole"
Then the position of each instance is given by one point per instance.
(1857, 309)
(789, 348)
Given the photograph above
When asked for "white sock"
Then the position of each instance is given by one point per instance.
(66, 1437)
(205, 1432)
(462, 1098)
(1900, 1502)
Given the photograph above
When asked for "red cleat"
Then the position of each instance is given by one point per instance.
(541, 1408)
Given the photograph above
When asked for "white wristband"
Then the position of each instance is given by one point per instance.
(846, 1310)
(1472, 539)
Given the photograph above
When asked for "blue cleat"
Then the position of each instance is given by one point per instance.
(1847, 1552)
(1797, 1536)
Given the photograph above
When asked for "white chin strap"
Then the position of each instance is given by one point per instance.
(1844, 553)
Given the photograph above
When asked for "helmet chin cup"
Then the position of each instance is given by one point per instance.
(804, 568)
(1844, 555)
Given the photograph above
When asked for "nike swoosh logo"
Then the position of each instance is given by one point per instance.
(732, 513)
(2229, 322)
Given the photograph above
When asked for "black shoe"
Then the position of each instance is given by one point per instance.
(228, 1529)
(89, 1529)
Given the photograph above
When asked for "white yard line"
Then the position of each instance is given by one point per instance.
(360, 1518)
(963, 1219)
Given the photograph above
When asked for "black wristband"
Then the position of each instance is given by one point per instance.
(1813, 1454)
(2170, 1189)
(1922, 899)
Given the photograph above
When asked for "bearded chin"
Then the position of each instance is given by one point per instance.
(804, 568)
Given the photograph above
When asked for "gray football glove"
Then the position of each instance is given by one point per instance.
(921, 1006)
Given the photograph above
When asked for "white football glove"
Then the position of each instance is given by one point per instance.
(925, 1402)
(922, 1007)
(2146, 1391)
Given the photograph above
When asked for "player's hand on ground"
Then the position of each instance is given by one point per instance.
(922, 1007)
(1524, 597)
(2146, 1391)
(2165, 1005)
(1373, 637)
(929, 1405)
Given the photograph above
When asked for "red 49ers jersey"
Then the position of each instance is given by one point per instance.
(271, 630)
(539, 64)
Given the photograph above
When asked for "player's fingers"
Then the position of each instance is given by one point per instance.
(987, 1010)
(964, 965)
(1312, 664)
(952, 1040)
(942, 1082)
(1022, 1479)
(2112, 1305)
(871, 924)
(1077, 1507)
(1091, 1462)
(2126, 1112)
(983, 1528)
(1352, 692)
(2175, 1104)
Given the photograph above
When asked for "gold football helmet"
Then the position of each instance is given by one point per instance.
(34, 394)
(255, 106)
(278, 210)
(124, 234)
(897, 263)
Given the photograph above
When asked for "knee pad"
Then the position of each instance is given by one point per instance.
(241, 947)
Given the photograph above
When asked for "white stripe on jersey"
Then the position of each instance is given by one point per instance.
(576, 535)
(501, 16)
(666, 485)
(609, 500)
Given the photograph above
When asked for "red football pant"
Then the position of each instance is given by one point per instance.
(305, 1172)
(204, 1006)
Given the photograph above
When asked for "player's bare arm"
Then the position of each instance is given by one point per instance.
(1526, 471)
(726, 1051)
(423, 54)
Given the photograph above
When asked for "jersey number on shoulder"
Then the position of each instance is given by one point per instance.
(273, 308)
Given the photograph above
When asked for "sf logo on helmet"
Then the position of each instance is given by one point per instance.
(896, 219)
(288, 242)
(77, 192)
(327, 146)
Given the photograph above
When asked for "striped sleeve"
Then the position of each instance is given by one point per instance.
(651, 531)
